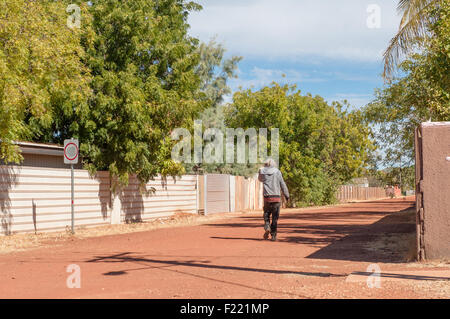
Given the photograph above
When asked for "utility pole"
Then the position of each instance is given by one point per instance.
(72, 199)
(400, 173)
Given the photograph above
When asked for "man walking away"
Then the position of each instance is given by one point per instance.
(273, 184)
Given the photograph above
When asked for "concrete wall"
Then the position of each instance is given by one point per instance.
(433, 190)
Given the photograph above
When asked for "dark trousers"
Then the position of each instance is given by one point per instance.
(272, 209)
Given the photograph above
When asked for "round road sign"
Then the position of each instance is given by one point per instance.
(71, 151)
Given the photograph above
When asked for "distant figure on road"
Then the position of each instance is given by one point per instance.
(273, 184)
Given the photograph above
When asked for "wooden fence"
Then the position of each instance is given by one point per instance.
(248, 194)
(349, 193)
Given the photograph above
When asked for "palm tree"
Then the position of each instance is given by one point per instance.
(413, 29)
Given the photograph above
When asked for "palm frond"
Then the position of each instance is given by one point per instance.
(412, 29)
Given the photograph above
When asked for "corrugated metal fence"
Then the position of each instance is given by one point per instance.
(160, 198)
(226, 193)
(38, 199)
(35, 199)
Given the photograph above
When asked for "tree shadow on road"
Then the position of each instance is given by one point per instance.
(127, 257)
(167, 265)
(392, 239)
(346, 235)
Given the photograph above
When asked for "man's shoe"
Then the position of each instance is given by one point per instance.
(274, 237)
(267, 229)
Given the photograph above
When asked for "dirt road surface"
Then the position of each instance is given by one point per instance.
(328, 252)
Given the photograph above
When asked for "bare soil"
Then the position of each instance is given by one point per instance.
(326, 252)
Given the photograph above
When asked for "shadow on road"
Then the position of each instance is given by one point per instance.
(401, 276)
(344, 233)
(127, 257)
(167, 265)
(391, 239)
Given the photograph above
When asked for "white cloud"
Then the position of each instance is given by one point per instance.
(259, 77)
(296, 28)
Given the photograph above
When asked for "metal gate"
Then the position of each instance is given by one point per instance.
(217, 193)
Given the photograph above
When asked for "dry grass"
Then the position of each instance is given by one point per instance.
(443, 263)
(404, 244)
(21, 242)
(432, 289)
(401, 244)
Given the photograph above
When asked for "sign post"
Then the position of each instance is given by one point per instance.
(71, 151)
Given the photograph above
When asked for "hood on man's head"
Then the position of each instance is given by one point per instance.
(268, 170)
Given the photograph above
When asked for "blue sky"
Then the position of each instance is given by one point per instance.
(325, 47)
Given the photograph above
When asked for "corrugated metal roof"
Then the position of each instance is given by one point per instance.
(39, 148)
(39, 145)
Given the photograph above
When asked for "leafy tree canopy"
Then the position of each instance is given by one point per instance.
(143, 63)
(422, 94)
(121, 83)
(321, 145)
(42, 77)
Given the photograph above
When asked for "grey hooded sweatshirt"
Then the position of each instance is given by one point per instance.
(273, 182)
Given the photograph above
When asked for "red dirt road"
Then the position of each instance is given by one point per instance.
(321, 253)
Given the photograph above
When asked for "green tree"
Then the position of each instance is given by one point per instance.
(321, 145)
(402, 176)
(417, 15)
(41, 71)
(143, 62)
(215, 72)
(422, 94)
